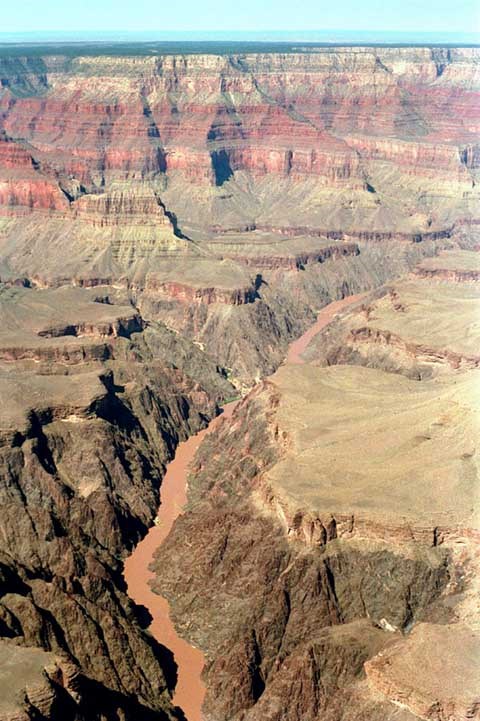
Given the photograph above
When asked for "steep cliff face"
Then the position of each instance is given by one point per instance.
(49, 684)
(115, 168)
(357, 139)
(83, 445)
(250, 339)
(286, 627)
(23, 187)
(335, 575)
(391, 332)
(252, 112)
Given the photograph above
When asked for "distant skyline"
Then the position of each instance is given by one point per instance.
(158, 19)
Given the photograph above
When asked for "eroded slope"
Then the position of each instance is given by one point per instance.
(167, 226)
(337, 512)
(150, 172)
(91, 413)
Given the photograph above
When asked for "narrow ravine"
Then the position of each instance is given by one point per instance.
(325, 316)
(190, 690)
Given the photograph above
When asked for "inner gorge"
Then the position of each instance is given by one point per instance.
(189, 690)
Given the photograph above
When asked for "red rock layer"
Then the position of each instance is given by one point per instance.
(22, 187)
(184, 293)
(318, 114)
(83, 138)
(123, 207)
(433, 160)
(13, 156)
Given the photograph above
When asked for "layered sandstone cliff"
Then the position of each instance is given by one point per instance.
(112, 167)
(167, 226)
(357, 140)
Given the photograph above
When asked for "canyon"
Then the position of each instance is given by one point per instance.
(171, 227)
(337, 573)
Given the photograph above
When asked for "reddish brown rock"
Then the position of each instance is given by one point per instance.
(317, 175)
(23, 188)
(315, 564)
(433, 672)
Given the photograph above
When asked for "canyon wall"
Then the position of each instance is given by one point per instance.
(168, 225)
(92, 410)
(337, 572)
(333, 141)
(113, 169)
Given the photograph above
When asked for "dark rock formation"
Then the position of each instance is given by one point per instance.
(168, 224)
(83, 449)
(328, 527)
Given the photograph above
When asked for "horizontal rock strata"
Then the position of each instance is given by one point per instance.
(168, 225)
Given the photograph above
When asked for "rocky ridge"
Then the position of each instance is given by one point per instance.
(84, 441)
(392, 331)
(313, 552)
(115, 168)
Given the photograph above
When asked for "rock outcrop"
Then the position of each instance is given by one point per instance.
(168, 225)
(37, 683)
(338, 570)
(84, 441)
(451, 266)
(409, 326)
(115, 170)
(447, 688)
(365, 142)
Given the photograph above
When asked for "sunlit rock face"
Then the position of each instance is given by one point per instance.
(338, 139)
(168, 225)
(149, 172)
(337, 572)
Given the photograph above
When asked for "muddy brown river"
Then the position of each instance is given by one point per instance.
(190, 690)
(325, 316)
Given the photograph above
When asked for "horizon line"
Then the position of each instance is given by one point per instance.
(237, 32)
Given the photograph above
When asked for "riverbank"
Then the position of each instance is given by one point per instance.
(190, 690)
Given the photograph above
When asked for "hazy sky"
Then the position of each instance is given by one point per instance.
(198, 15)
